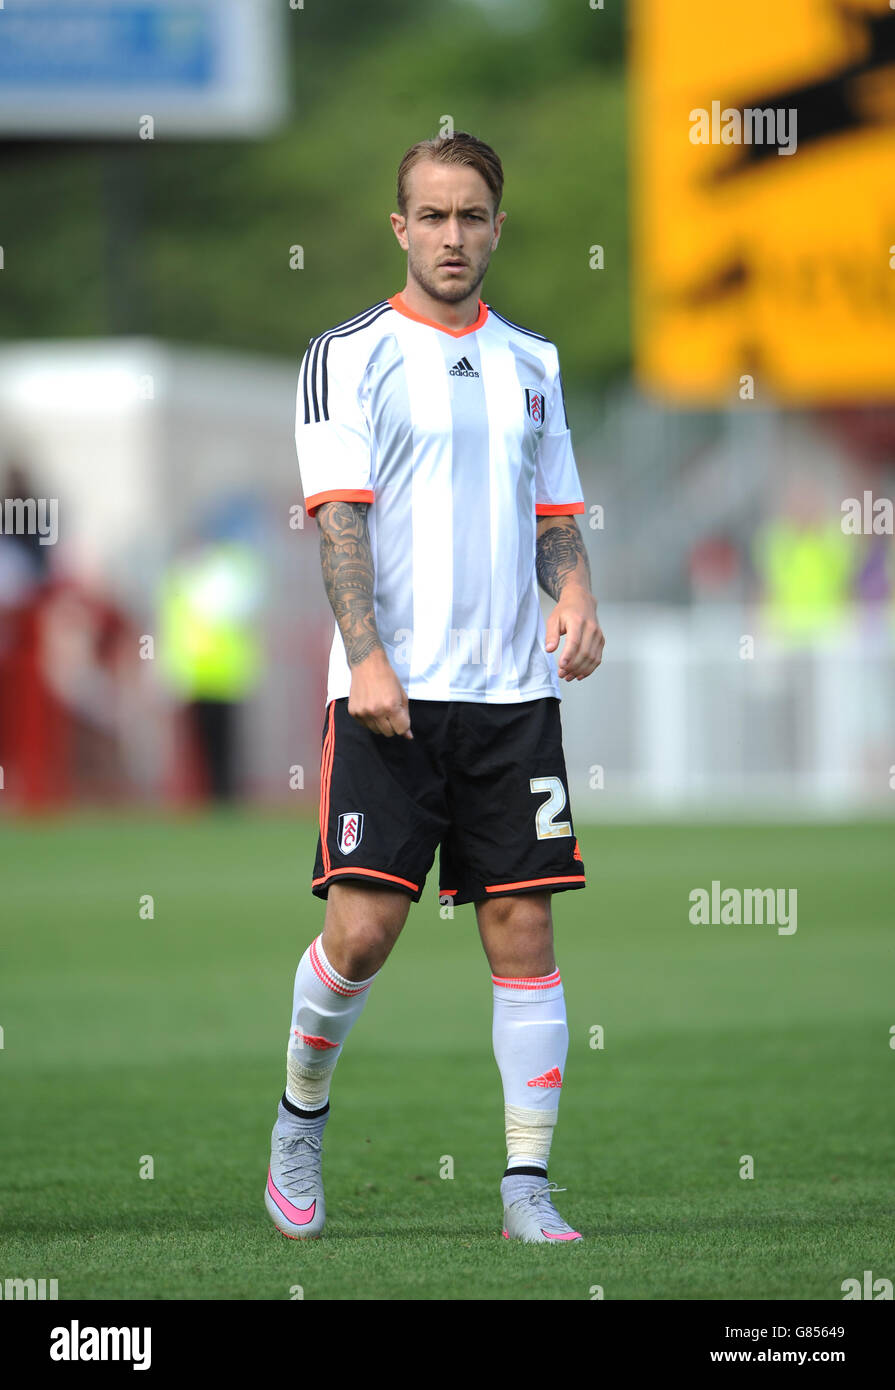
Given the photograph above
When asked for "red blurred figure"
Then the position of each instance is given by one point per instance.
(62, 650)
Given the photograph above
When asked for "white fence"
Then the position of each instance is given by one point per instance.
(680, 719)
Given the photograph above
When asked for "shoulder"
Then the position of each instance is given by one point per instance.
(348, 344)
(527, 338)
(360, 324)
(336, 360)
(512, 329)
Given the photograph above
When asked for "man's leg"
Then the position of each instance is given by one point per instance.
(530, 1033)
(332, 983)
(531, 1042)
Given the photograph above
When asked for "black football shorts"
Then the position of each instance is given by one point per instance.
(484, 784)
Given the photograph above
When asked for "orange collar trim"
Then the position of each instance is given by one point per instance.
(397, 302)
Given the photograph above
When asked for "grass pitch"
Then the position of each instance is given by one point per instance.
(128, 1038)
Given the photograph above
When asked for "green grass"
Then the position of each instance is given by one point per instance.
(127, 1037)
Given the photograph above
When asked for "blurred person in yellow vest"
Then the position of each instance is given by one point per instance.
(805, 563)
(211, 652)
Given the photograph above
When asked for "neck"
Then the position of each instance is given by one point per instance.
(454, 316)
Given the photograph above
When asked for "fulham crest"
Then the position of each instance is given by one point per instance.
(534, 405)
(351, 828)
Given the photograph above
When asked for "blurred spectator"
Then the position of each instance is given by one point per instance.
(23, 566)
(67, 663)
(88, 662)
(210, 648)
(805, 563)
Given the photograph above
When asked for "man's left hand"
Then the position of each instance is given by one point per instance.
(575, 618)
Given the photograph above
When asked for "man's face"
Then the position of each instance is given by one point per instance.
(450, 229)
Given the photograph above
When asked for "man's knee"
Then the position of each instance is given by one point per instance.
(517, 934)
(527, 911)
(362, 925)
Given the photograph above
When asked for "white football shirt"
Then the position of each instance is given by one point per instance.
(459, 441)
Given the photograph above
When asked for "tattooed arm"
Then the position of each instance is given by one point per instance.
(560, 556)
(563, 572)
(377, 699)
(347, 563)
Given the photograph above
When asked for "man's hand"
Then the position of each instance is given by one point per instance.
(575, 616)
(377, 699)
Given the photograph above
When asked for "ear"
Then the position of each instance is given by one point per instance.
(399, 227)
(498, 223)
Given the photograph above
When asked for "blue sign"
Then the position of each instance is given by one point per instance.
(212, 66)
(170, 43)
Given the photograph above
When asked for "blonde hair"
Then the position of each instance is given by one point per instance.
(460, 148)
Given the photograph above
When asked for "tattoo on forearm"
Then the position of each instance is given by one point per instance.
(347, 563)
(559, 552)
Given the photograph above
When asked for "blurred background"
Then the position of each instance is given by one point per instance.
(193, 189)
(190, 190)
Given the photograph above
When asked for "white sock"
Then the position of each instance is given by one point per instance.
(325, 1008)
(531, 1042)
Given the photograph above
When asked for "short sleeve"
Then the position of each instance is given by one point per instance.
(557, 486)
(332, 433)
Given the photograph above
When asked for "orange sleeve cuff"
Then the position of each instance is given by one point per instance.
(340, 494)
(558, 508)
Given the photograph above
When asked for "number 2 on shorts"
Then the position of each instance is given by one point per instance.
(545, 825)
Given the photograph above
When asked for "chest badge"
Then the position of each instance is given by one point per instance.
(534, 406)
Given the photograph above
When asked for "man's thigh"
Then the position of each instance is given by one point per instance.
(361, 926)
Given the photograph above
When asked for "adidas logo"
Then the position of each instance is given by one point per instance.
(551, 1080)
(463, 368)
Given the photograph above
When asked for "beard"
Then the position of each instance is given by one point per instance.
(448, 292)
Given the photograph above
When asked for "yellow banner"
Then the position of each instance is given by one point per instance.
(763, 204)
